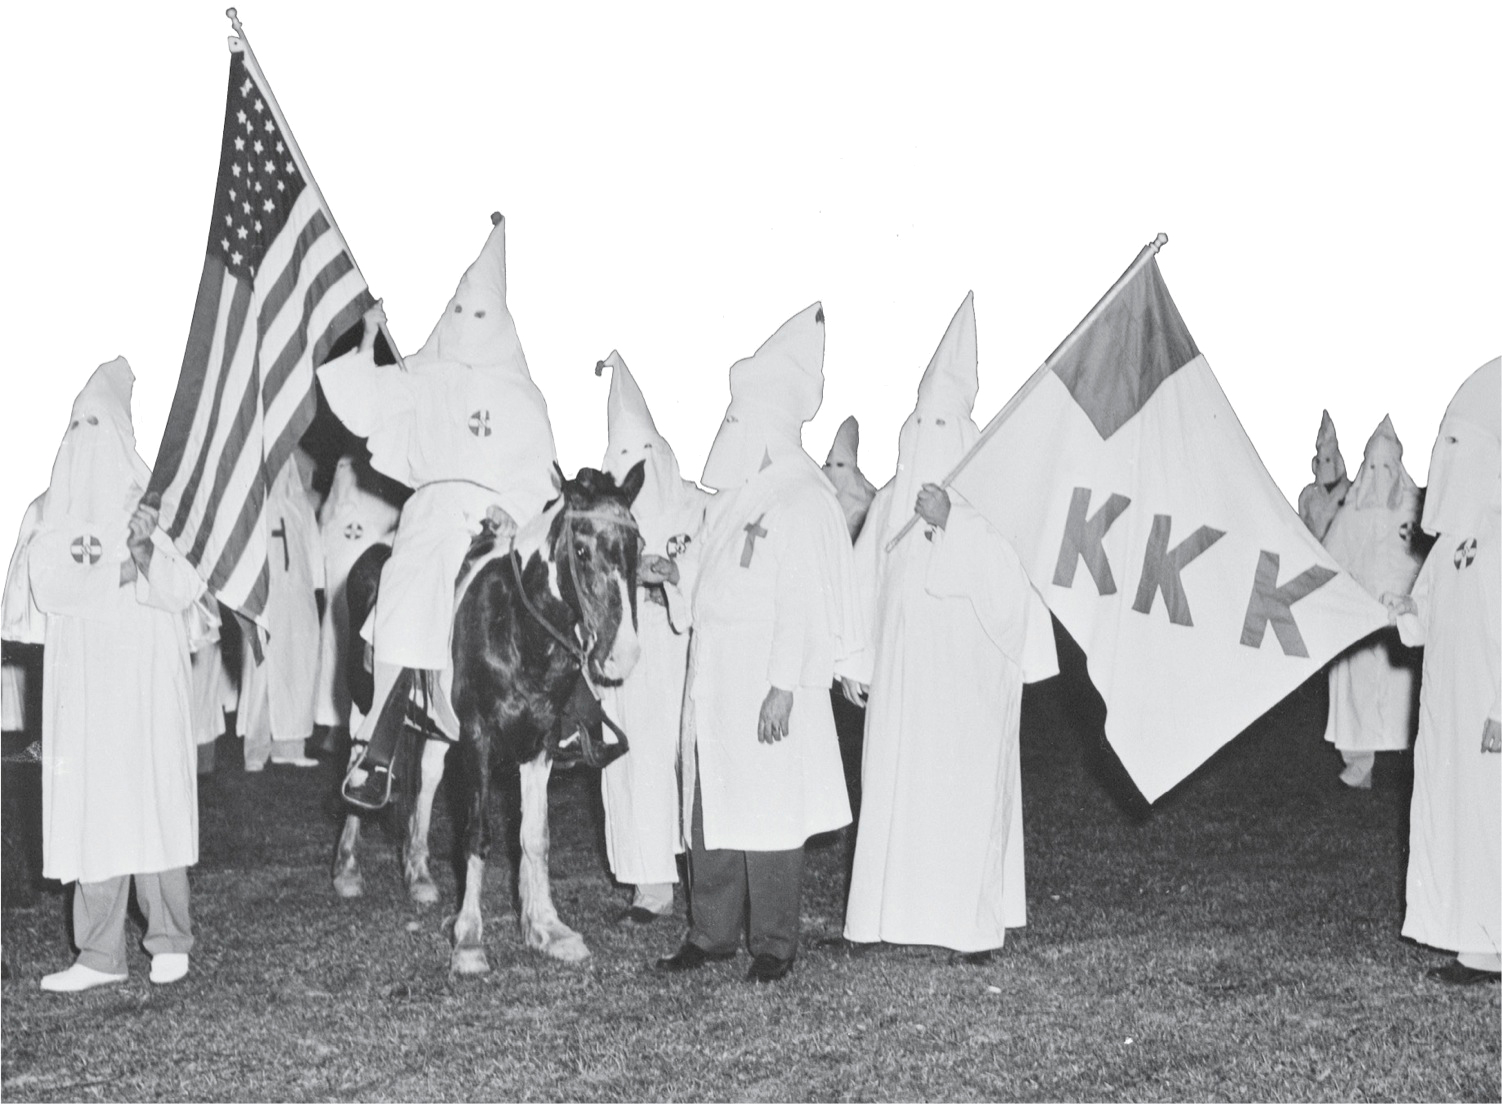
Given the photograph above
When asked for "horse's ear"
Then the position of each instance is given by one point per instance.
(558, 477)
(631, 485)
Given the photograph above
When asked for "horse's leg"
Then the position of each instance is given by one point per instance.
(420, 885)
(469, 944)
(540, 924)
(348, 881)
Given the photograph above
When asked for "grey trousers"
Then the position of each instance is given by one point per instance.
(733, 891)
(99, 917)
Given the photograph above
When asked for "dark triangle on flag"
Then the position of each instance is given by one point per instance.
(1138, 341)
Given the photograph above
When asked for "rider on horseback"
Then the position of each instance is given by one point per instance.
(462, 423)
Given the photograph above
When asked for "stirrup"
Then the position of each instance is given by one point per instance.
(374, 792)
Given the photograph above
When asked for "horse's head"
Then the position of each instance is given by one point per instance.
(595, 545)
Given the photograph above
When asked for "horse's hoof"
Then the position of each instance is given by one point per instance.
(349, 884)
(568, 948)
(469, 961)
(423, 892)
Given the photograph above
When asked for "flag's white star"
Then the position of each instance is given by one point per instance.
(271, 166)
(246, 87)
(259, 105)
(270, 127)
(235, 169)
(268, 206)
(258, 185)
(241, 232)
(239, 143)
(279, 146)
(233, 195)
(229, 220)
(258, 147)
(291, 167)
(258, 226)
(235, 256)
(224, 244)
(281, 186)
(240, 115)
(247, 207)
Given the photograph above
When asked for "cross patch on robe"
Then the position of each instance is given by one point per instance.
(354, 531)
(86, 548)
(479, 423)
(286, 551)
(1465, 554)
(753, 530)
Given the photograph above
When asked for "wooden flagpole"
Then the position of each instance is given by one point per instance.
(1148, 252)
(239, 43)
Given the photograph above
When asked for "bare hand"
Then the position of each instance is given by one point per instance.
(654, 569)
(1398, 605)
(933, 505)
(776, 709)
(142, 525)
(375, 318)
(1491, 737)
(856, 693)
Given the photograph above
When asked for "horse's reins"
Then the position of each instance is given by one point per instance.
(569, 517)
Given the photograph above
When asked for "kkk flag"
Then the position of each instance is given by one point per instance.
(279, 288)
(1147, 521)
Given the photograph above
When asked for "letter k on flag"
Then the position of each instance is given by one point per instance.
(1145, 517)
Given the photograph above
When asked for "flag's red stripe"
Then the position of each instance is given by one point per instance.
(241, 430)
(191, 378)
(287, 360)
(234, 326)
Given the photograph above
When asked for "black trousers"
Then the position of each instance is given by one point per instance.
(734, 892)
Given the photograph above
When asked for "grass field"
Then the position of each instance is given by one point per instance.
(1239, 941)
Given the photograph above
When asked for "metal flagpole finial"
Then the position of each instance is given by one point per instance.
(1158, 243)
(234, 20)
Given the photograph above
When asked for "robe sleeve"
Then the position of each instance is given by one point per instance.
(972, 560)
(1413, 627)
(62, 586)
(22, 621)
(171, 584)
(377, 402)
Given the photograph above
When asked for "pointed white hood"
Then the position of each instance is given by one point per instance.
(1465, 469)
(97, 468)
(851, 486)
(1328, 465)
(633, 438)
(476, 327)
(1383, 482)
(772, 393)
(940, 429)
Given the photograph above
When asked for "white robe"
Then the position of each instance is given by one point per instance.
(957, 629)
(352, 520)
(466, 439)
(642, 834)
(119, 774)
(1317, 506)
(276, 695)
(1454, 892)
(1373, 701)
(771, 588)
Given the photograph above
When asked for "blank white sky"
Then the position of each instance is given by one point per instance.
(679, 179)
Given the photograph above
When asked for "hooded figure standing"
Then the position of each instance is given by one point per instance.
(639, 790)
(770, 589)
(1372, 685)
(465, 427)
(277, 686)
(851, 486)
(1320, 499)
(352, 518)
(119, 785)
(1454, 893)
(957, 628)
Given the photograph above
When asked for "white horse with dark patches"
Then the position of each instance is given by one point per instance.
(538, 622)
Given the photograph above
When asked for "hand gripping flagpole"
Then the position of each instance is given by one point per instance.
(1148, 252)
(239, 44)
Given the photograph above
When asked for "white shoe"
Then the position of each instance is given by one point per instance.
(168, 967)
(294, 761)
(78, 977)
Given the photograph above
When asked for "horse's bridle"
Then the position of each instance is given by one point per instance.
(570, 515)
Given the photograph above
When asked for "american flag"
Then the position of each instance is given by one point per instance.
(279, 288)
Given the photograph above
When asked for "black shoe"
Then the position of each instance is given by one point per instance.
(636, 917)
(691, 956)
(970, 958)
(1456, 972)
(768, 967)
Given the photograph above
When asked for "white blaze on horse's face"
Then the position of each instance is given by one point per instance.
(602, 550)
(627, 649)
